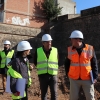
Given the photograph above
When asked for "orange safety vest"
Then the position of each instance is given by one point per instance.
(80, 65)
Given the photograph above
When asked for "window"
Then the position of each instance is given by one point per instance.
(1, 1)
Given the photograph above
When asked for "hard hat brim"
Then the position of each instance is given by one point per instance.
(47, 40)
(29, 48)
(25, 49)
(7, 43)
(75, 37)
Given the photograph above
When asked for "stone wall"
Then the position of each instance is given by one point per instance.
(60, 32)
(17, 33)
(90, 11)
(89, 25)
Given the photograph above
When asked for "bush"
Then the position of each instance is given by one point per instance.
(51, 9)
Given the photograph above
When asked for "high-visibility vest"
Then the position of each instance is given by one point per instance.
(4, 57)
(15, 74)
(47, 65)
(80, 65)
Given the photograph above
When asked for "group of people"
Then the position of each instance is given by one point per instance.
(80, 61)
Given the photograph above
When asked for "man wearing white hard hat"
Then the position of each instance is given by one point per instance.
(6, 56)
(81, 67)
(46, 61)
(20, 69)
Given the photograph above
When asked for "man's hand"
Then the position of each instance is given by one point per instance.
(95, 81)
(31, 66)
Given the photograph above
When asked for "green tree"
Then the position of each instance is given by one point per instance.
(51, 9)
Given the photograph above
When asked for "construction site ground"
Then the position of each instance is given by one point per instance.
(63, 88)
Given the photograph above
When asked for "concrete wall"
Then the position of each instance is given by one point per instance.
(69, 7)
(16, 33)
(70, 16)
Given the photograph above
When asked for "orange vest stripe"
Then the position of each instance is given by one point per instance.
(80, 66)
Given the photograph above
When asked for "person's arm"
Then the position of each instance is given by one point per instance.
(0, 57)
(13, 84)
(35, 58)
(13, 55)
(67, 65)
(12, 79)
(94, 66)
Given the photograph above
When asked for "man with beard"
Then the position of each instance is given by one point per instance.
(46, 61)
(6, 56)
(81, 67)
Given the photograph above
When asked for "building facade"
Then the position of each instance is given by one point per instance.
(29, 12)
(69, 6)
(23, 12)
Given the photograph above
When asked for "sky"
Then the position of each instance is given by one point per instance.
(85, 4)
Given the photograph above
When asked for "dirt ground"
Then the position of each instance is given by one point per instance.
(63, 88)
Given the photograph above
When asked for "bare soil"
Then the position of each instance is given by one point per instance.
(63, 88)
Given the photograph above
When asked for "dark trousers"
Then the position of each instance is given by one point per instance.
(25, 98)
(45, 81)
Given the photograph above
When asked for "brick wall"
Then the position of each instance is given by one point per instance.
(24, 13)
(29, 12)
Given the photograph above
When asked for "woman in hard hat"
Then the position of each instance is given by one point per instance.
(20, 69)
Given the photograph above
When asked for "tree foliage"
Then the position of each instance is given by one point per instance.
(50, 9)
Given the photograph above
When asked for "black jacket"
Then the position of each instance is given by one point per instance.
(93, 61)
(19, 65)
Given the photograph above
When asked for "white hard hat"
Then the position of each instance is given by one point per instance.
(46, 37)
(23, 45)
(7, 42)
(76, 34)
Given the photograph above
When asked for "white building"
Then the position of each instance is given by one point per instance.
(69, 6)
